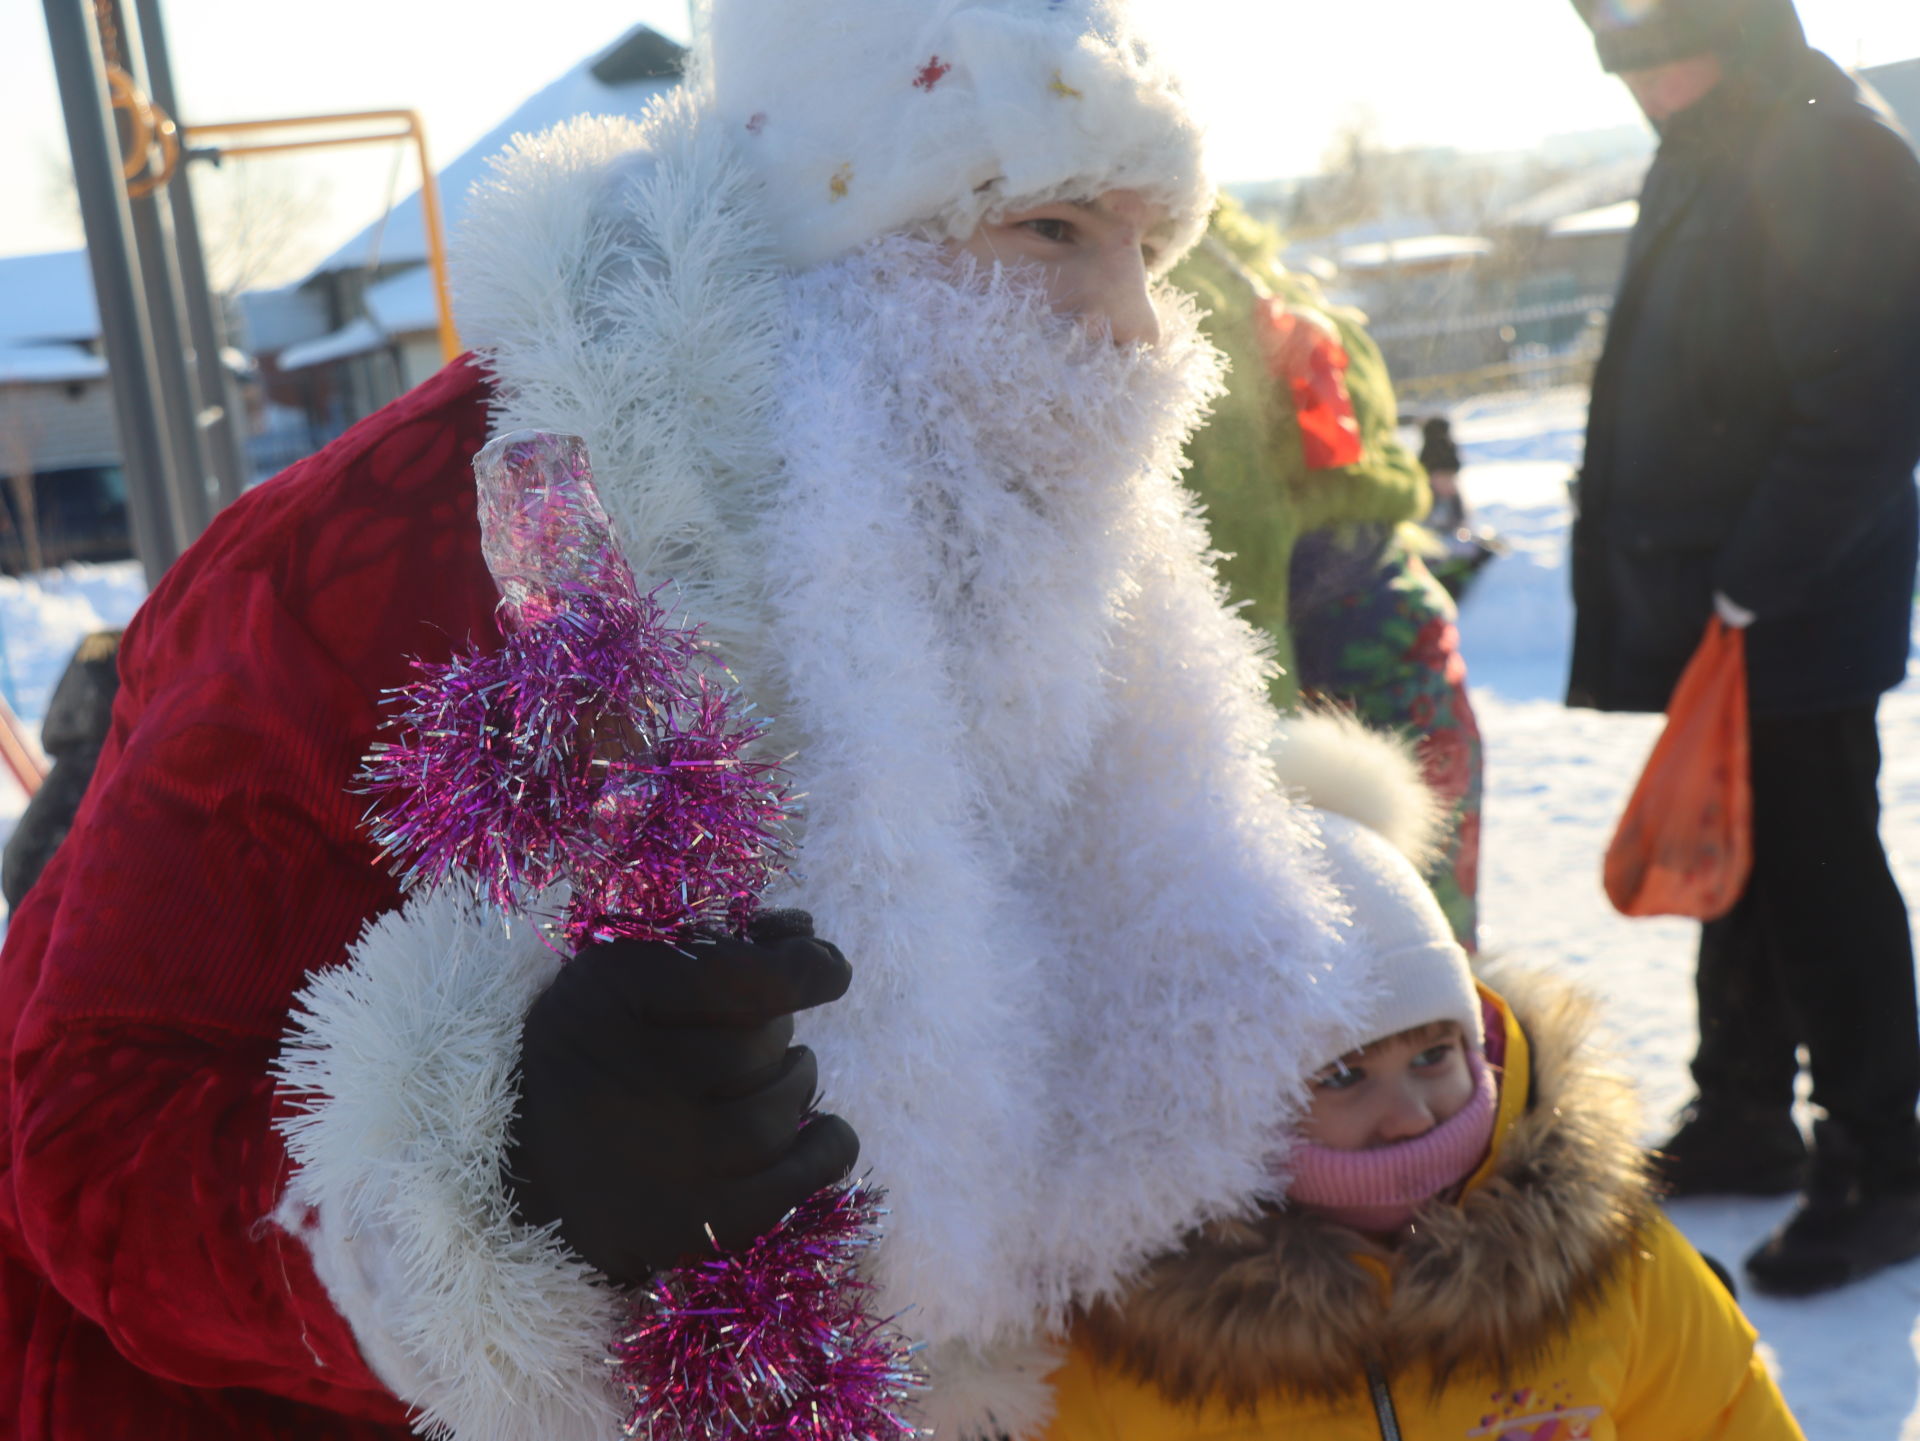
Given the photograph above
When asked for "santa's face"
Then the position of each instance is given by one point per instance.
(944, 430)
(1092, 259)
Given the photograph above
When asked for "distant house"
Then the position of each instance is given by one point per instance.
(62, 493)
(1415, 286)
(1565, 247)
(56, 408)
(1613, 179)
(296, 412)
(358, 330)
(1558, 254)
(48, 299)
(370, 327)
(1585, 253)
(1569, 240)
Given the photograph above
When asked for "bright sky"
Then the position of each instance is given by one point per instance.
(1275, 77)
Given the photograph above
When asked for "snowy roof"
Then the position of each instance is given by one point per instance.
(1418, 250)
(356, 337)
(47, 297)
(620, 80)
(49, 364)
(1387, 227)
(276, 319)
(404, 304)
(1615, 219)
(1309, 261)
(1591, 189)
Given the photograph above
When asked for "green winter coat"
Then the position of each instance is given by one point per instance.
(1247, 466)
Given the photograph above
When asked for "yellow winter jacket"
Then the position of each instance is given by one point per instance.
(1552, 1302)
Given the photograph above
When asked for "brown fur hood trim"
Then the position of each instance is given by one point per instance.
(1280, 1302)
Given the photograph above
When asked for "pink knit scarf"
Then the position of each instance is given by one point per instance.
(1380, 1189)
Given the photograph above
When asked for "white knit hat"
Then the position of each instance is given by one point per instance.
(1399, 931)
(865, 117)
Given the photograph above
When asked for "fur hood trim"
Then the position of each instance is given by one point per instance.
(1293, 1303)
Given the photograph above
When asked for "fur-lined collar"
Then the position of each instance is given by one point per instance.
(1292, 1303)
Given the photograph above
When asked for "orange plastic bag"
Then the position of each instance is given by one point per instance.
(1684, 845)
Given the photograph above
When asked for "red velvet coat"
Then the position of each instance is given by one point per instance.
(146, 980)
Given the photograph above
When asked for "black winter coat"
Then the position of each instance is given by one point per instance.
(1755, 420)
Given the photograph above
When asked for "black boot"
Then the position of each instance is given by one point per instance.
(1731, 1148)
(1860, 1214)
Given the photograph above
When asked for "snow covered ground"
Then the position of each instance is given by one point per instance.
(42, 618)
(1555, 782)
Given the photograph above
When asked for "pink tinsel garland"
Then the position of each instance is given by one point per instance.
(598, 746)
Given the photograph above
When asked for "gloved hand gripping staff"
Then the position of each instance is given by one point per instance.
(600, 757)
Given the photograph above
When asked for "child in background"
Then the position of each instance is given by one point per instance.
(1458, 548)
(1469, 1248)
(1315, 544)
(1440, 458)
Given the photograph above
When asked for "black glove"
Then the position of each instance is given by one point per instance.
(661, 1094)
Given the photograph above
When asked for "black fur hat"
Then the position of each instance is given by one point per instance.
(1639, 34)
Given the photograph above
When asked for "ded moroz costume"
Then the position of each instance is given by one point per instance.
(935, 531)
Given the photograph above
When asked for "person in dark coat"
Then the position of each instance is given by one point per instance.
(1751, 446)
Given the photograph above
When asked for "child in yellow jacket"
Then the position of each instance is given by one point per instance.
(1469, 1249)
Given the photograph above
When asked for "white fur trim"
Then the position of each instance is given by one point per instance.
(889, 115)
(405, 1058)
(1337, 764)
(620, 281)
(981, 1394)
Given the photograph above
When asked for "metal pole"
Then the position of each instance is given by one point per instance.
(221, 417)
(160, 278)
(153, 247)
(435, 227)
(144, 446)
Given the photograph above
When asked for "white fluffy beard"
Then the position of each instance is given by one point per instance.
(1039, 818)
(967, 459)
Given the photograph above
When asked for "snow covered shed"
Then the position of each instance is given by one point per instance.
(377, 288)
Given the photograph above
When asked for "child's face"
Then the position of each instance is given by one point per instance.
(1094, 257)
(1395, 1090)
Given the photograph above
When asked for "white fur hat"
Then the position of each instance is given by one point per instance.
(1400, 932)
(864, 117)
